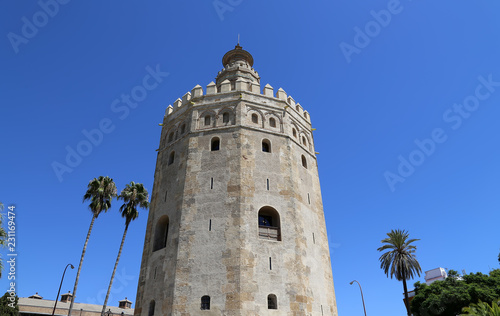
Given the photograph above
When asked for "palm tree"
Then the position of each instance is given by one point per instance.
(400, 260)
(483, 309)
(100, 192)
(134, 195)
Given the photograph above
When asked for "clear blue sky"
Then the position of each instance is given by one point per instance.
(426, 71)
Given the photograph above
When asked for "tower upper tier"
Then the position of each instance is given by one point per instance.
(237, 64)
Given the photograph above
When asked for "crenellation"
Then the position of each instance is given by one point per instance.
(197, 91)
(306, 116)
(225, 86)
(177, 103)
(255, 87)
(281, 94)
(186, 98)
(169, 110)
(241, 85)
(299, 109)
(211, 88)
(268, 90)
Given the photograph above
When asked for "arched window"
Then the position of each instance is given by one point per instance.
(266, 146)
(171, 137)
(269, 224)
(225, 118)
(215, 144)
(151, 308)
(272, 122)
(183, 128)
(161, 233)
(205, 302)
(171, 158)
(272, 302)
(294, 132)
(304, 161)
(304, 141)
(255, 118)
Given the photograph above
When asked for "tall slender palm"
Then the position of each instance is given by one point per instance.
(100, 192)
(399, 260)
(134, 195)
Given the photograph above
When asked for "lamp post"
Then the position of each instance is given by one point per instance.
(361, 294)
(57, 297)
(108, 313)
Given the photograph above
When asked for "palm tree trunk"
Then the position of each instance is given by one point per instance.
(114, 270)
(80, 265)
(407, 302)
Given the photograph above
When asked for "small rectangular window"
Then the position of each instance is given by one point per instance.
(211, 183)
(272, 122)
(205, 302)
(308, 198)
(267, 184)
(270, 264)
(314, 239)
(171, 158)
(272, 302)
(255, 118)
(215, 144)
(210, 225)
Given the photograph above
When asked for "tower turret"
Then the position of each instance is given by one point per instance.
(236, 223)
(237, 64)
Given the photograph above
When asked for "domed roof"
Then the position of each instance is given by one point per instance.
(237, 53)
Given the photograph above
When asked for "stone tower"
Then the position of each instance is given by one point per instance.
(236, 225)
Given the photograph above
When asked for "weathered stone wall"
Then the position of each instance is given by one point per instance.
(212, 200)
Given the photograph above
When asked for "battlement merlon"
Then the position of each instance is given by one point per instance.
(196, 97)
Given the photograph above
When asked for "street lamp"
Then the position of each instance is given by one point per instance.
(57, 297)
(361, 294)
(108, 313)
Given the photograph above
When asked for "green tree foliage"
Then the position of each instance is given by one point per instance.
(399, 259)
(8, 305)
(448, 297)
(483, 309)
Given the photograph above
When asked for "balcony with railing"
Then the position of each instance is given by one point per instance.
(269, 232)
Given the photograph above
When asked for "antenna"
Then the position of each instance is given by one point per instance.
(238, 39)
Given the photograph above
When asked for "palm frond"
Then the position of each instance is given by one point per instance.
(100, 192)
(399, 261)
(134, 195)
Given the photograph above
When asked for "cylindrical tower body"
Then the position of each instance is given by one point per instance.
(236, 224)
